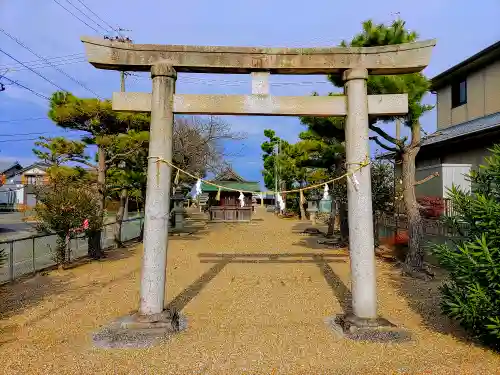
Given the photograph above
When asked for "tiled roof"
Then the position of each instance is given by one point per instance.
(247, 186)
(5, 165)
(228, 174)
(461, 130)
(466, 128)
(40, 165)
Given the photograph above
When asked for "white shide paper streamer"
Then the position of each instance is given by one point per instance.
(198, 188)
(325, 192)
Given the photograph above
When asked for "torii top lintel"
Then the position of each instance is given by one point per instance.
(391, 59)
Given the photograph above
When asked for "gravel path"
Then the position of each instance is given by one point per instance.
(251, 314)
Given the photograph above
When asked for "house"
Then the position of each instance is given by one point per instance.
(224, 205)
(468, 123)
(18, 189)
(7, 187)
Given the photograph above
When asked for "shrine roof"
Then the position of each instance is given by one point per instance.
(237, 185)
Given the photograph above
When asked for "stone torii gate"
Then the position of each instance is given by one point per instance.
(165, 61)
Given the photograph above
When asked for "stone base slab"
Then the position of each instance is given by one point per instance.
(136, 331)
(374, 330)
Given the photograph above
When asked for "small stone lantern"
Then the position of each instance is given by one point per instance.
(178, 211)
(312, 208)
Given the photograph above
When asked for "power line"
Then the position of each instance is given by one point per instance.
(26, 88)
(34, 133)
(25, 139)
(34, 71)
(25, 119)
(18, 140)
(77, 60)
(54, 59)
(74, 15)
(48, 62)
(71, 55)
(85, 15)
(95, 14)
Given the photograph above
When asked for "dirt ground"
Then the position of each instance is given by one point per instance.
(261, 312)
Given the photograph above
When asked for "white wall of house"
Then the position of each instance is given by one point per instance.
(449, 175)
(455, 174)
(12, 194)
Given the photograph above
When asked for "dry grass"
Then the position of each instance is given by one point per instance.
(249, 315)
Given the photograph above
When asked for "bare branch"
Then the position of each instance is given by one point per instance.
(424, 180)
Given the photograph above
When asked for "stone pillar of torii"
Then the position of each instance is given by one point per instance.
(165, 61)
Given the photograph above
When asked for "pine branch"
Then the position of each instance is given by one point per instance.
(385, 147)
(122, 155)
(386, 136)
(84, 162)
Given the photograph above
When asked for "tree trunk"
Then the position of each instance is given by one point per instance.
(94, 239)
(125, 213)
(344, 222)
(415, 256)
(141, 235)
(331, 221)
(120, 217)
(94, 245)
(414, 261)
(375, 230)
(302, 211)
(302, 205)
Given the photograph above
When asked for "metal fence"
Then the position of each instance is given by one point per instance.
(30, 254)
(435, 231)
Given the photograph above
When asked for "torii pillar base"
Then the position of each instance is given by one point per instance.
(136, 331)
(373, 330)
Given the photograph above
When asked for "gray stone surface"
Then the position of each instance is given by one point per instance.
(393, 59)
(376, 330)
(359, 196)
(157, 207)
(128, 332)
(262, 105)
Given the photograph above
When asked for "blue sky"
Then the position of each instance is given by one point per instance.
(461, 28)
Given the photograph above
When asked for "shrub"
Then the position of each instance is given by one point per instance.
(472, 295)
(62, 207)
(431, 207)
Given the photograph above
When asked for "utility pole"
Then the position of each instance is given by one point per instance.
(122, 81)
(398, 128)
(282, 183)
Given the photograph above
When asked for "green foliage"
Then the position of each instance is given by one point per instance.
(62, 206)
(382, 175)
(472, 296)
(416, 85)
(93, 116)
(289, 172)
(59, 150)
